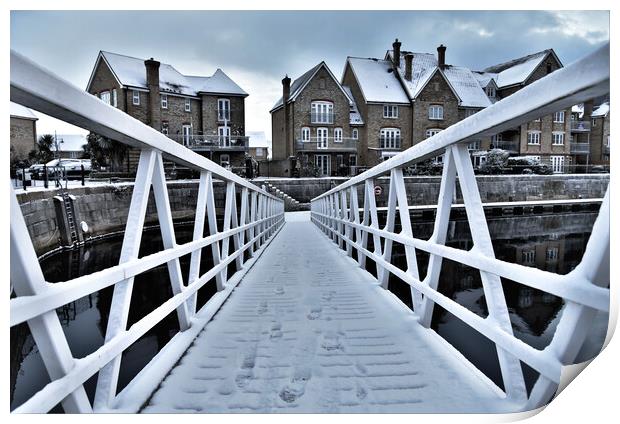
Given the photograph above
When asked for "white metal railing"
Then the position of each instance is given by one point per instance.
(585, 289)
(260, 216)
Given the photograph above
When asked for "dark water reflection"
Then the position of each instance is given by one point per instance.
(552, 242)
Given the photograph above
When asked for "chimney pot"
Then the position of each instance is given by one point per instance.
(286, 88)
(408, 66)
(396, 48)
(441, 56)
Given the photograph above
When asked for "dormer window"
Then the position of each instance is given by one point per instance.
(491, 92)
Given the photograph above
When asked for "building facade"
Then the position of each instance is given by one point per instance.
(204, 113)
(23, 137)
(315, 126)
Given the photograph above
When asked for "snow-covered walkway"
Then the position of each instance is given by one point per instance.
(307, 330)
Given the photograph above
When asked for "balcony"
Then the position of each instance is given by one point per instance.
(580, 126)
(207, 143)
(511, 146)
(580, 148)
(390, 143)
(322, 118)
(315, 145)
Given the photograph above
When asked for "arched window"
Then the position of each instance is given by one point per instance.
(435, 112)
(389, 138)
(305, 134)
(338, 135)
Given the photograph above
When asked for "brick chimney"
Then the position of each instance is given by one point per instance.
(408, 66)
(396, 58)
(152, 82)
(441, 56)
(587, 110)
(286, 92)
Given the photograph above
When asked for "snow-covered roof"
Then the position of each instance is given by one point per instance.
(131, 72)
(517, 71)
(300, 83)
(377, 80)
(462, 80)
(19, 111)
(70, 142)
(600, 111)
(258, 139)
(578, 109)
(355, 117)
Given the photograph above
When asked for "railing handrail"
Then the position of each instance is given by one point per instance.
(259, 217)
(582, 80)
(584, 289)
(36, 88)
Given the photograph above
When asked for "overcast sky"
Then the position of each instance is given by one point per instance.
(256, 49)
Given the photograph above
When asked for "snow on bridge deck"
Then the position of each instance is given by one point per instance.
(307, 330)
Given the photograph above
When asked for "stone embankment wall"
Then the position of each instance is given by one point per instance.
(105, 208)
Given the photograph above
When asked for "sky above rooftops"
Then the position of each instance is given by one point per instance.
(256, 49)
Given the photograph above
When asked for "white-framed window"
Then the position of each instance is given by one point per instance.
(435, 112)
(432, 131)
(438, 159)
(225, 160)
(224, 136)
(164, 101)
(533, 137)
(223, 110)
(607, 142)
(188, 105)
(528, 256)
(187, 134)
(390, 138)
(552, 254)
(259, 152)
(322, 138)
(114, 98)
(558, 116)
(490, 90)
(105, 96)
(164, 127)
(323, 162)
(337, 135)
(473, 145)
(354, 134)
(558, 138)
(322, 112)
(305, 134)
(390, 111)
(557, 164)
(135, 96)
(496, 138)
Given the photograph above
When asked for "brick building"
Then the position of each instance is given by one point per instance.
(204, 113)
(315, 124)
(599, 140)
(23, 137)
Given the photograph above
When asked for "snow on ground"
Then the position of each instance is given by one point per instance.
(307, 330)
(297, 216)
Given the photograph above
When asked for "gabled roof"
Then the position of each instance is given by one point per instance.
(19, 111)
(131, 72)
(377, 80)
(517, 71)
(355, 117)
(300, 83)
(602, 110)
(461, 80)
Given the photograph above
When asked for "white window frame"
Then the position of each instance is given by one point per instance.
(223, 133)
(355, 134)
(435, 112)
(557, 164)
(558, 117)
(164, 101)
(305, 134)
(557, 138)
(187, 134)
(528, 256)
(432, 131)
(188, 105)
(390, 138)
(473, 146)
(325, 166)
(491, 92)
(259, 152)
(552, 253)
(533, 141)
(114, 98)
(322, 138)
(322, 112)
(497, 138)
(135, 97)
(165, 128)
(337, 135)
(223, 110)
(390, 111)
(105, 97)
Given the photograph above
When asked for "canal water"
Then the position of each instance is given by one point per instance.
(553, 242)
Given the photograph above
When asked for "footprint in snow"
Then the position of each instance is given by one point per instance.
(279, 290)
(226, 387)
(315, 313)
(360, 392)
